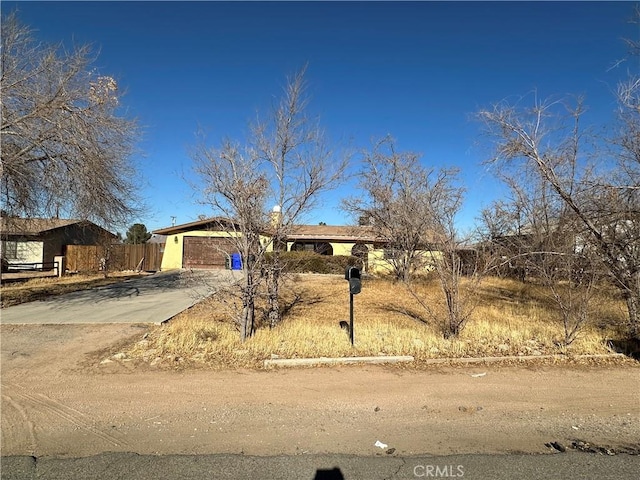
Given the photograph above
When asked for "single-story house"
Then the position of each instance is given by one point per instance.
(204, 244)
(39, 240)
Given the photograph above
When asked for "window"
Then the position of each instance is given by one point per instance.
(297, 247)
(360, 250)
(392, 254)
(10, 250)
(322, 248)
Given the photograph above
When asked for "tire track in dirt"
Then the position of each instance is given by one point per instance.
(31, 440)
(46, 405)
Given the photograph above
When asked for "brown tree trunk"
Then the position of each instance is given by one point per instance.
(273, 292)
(633, 306)
(247, 321)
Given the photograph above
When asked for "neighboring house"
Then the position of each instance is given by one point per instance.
(157, 239)
(202, 244)
(39, 240)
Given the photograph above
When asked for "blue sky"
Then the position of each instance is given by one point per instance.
(415, 70)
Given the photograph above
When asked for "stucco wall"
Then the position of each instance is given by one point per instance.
(27, 252)
(172, 258)
(379, 265)
(339, 248)
(375, 258)
(342, 248)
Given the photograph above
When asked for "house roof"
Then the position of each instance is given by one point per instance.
(328, 233)
(355, 233)
(212, 223)
(38, 226)
(297, 232)
(157, 239)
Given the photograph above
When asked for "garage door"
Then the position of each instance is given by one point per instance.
(206, 252)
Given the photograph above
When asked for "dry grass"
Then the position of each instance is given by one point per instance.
(511, 319)
(14, 293)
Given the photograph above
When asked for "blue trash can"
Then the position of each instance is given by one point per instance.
(236, 261)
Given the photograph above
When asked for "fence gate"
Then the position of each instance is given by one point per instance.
(93, 258)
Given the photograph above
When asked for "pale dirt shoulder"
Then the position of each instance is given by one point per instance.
(57, 400)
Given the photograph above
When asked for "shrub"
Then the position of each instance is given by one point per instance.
(310, 262)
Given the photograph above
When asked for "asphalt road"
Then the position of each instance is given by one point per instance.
(570, 465)
(151, 299)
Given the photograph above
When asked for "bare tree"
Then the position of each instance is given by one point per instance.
(300, 164)
(399, 203)
(236, 188)
(502, 232)
(66, 150)
(537, 235)
(285, 162)
(459, 281)
(413, 210)
(604, 203)
(571, 276)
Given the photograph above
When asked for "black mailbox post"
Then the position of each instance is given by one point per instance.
(355, 284)
(352, 274)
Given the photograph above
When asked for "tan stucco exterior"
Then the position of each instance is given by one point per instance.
(173, 252)
(379, 265)
(174, 247)
(339, 248)
(342, 239)
(374, 259)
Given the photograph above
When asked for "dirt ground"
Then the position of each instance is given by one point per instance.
(58, 399)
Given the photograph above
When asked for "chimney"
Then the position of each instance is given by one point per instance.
(276, 216)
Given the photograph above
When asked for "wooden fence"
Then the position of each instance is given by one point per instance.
(94, 258)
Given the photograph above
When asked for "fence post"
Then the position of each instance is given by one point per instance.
(59, 265)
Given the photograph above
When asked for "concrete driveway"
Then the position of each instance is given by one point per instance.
(152, 299)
